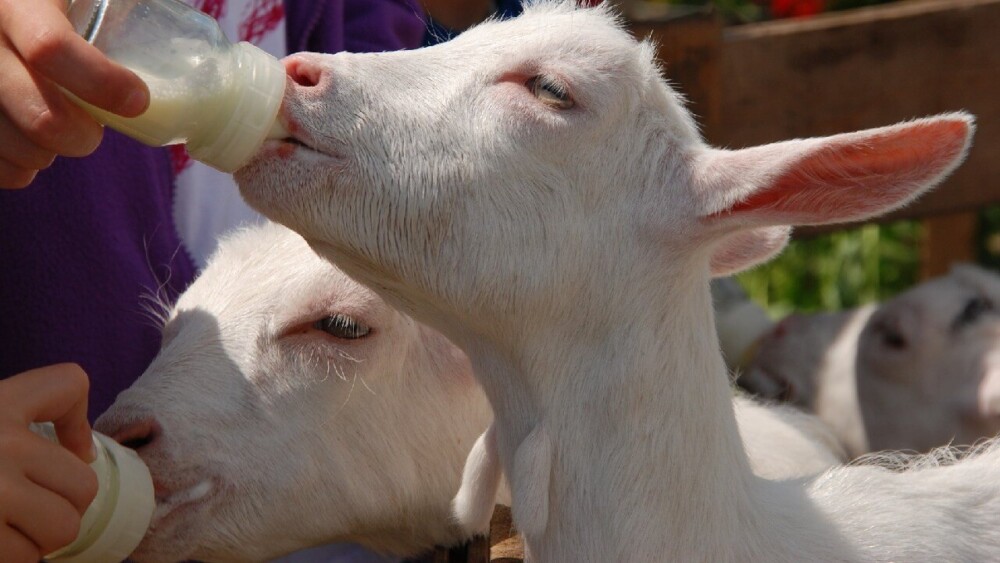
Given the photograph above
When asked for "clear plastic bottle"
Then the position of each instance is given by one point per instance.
(219, 99)
(117, 519)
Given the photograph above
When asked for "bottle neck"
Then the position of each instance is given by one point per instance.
(259, 86)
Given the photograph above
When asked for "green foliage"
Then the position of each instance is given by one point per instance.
(851, 268)
(839, 270)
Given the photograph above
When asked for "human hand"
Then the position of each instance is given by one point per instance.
(39, 51)
(44, 488)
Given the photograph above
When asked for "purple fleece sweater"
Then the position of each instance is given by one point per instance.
(82, 245)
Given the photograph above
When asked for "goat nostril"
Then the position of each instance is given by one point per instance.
(138, 435)
(303, 72)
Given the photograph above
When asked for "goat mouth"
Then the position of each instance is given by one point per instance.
(290, 146)
(296, 142)
(169, 502)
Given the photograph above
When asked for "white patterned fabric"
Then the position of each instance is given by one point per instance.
(207, 202)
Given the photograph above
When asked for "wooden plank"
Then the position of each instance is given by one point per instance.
(690, 48)
(458, 14)
(505, 543)
(947, 240)
(866, 68)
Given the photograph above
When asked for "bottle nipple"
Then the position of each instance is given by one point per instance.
(115, 522)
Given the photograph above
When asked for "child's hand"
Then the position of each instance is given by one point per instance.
(44, 487)
(39, 51)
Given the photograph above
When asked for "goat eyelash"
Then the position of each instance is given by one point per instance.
(550, 92)
(342, 326)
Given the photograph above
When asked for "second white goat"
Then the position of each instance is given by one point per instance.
(920, 371)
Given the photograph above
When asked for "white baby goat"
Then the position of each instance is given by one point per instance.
(536, 191)
(920, 371)
(290, 406)
(808, 360)
(929, 364)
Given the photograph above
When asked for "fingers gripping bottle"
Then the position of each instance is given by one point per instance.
(119, 515)
(219, 99)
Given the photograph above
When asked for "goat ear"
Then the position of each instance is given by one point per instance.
(746, 249)
(842, 178)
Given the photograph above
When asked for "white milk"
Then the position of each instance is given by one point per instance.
(219, 99)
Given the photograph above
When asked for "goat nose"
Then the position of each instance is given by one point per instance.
(304, 70)
(137, 434)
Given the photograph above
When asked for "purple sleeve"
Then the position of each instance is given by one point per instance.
(82, 250)
(354, 25)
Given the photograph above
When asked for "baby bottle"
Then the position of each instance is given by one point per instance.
(219, 99)
(116, 520)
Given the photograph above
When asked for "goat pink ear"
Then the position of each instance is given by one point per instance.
(746, 249)
(842, 178)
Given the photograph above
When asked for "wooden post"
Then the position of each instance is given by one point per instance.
(458, 15)
(506, 545)
(947, 240)
(690, 49)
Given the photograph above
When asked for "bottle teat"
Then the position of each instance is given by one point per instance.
(119, 515)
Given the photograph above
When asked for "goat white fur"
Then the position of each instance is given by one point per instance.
(292, 436)
(920, 371)
(535, 190)
(267, 431)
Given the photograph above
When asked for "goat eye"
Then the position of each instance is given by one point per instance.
(550, 93)
(890, 336)
(342, 326)
(893, 340)
(974, 308)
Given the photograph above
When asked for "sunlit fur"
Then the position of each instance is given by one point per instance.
(569, 253)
